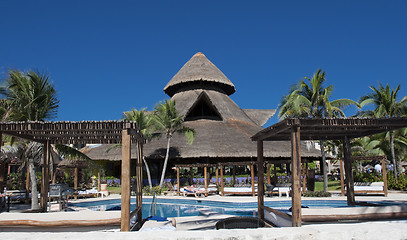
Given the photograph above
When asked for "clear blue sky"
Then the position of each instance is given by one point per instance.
(106, 57)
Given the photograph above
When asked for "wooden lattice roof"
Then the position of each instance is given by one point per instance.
(329, 128)
(97, 132)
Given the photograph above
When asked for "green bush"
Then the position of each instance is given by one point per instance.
(400, 184)
(15, 181)
(367, 177)
(317, 194)
(156, 189)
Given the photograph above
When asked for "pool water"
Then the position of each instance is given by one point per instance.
(188, 207)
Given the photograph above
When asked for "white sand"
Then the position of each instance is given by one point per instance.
(368, 230)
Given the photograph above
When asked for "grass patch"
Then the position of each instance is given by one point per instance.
(332, 186)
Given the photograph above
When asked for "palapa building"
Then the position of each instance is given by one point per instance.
(202, 95)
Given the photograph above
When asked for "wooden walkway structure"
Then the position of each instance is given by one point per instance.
(317, 129)
(97, 132)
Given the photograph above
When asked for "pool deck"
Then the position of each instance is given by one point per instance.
(364, 230)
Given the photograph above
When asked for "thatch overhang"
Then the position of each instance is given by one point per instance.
(215, 141)
(199, 73)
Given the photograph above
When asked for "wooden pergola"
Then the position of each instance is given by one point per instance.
(197, 165)
(97, 132)
(317, 129)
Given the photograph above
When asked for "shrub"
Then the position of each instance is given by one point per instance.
(317, 194)
(400, 184)
(15, 181)
(367, 177)
(156, 189)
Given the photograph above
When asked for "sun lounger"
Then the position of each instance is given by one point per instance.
(188, 191)
(239, 190)
(88, 193)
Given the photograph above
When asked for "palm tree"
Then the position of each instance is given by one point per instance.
(309, 99)
(143, 121)
(29, 96)
(385, 102)
(166, 119)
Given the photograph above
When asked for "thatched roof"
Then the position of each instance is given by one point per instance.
(260, 116)
(199, 71)
(223, 129)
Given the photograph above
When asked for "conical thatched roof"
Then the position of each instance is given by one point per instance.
(223, 129)
(199, 71)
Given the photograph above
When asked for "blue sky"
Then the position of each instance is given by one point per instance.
(106, 57)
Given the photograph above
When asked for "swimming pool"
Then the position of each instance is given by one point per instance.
(189, 207)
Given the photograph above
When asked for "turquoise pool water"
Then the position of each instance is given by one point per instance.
(189, 207)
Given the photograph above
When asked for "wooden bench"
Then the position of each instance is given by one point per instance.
(369, 187)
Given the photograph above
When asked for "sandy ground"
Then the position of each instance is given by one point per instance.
(366, 230)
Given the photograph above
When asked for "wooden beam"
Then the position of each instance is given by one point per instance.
(384, 174)
(296, 176)
(206, 180)
(125, 181)
(268, 170)
(217, 177)
(342, 177)
(304, 182)
(139, 180)
(75, 182)
(221, 181)
(27, 184)
(350, 193)
(178, 183)
(99, 180)
(260, 181)
(252, 175)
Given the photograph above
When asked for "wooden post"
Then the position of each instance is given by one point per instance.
(252, 174)
(350, 193)
(139, 180)
(75, 182)
(304, 186)
(384, 174)
(296, 176)
(206, 180)
(45, 177)
(234, 174)
(221, 181)
(268, 172)
(125, 181)
(260, 181)
(27, 185)
(3, 166)
(217, 177)
(178, 183)
(99, 179)
(275, 174)
(342, 177)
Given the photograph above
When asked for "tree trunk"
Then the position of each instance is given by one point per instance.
(33, 178)
(148, 173)
(324, 171)
(167, 155)
(393, 157)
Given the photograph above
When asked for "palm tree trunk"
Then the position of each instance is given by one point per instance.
(165, 161)
(33, 179)
(324, 171)
(148, 172)
(393, 157)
